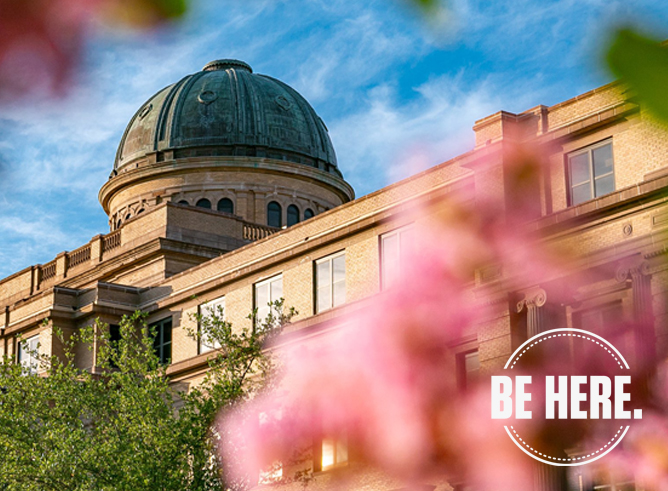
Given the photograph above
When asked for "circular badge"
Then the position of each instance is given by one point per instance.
(565, 394)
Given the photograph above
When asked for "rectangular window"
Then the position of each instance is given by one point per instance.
(207, 310)
(265, 293)
(334, 452)
(591, 172)
(330, 281)
(394, 247)
(162, 343)
(114, 339)
(468, 366)
(28, 354)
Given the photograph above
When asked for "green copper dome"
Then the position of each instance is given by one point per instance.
(226, 109)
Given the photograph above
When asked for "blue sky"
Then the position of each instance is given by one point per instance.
(398, 93)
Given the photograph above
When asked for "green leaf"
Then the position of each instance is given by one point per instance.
(642, 63)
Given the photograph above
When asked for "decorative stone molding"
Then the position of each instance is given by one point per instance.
(533, 298)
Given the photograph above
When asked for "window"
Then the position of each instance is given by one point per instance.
(184, 202)
(293, 215)
(28, 354)
(114, 339)
(394, 246)
(596, 319)
(334, 452)
(591, 172)
(468, 366)
(203, 203)
(274, 215)
(206, 311)
(266, 292)
(308, 213)
(225, 205)
(162, 343)
(603, 479)
(330, 281)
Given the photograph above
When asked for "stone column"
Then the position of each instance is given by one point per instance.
(637, 272)
(534, 299)
(545, 477)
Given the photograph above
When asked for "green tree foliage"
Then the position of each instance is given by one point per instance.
(642, 64)
(126, 426)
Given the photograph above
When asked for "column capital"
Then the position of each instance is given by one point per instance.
(631, 268)
(533, 297)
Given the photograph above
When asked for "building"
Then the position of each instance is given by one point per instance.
(226, 190)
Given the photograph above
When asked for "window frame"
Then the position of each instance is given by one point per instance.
(463, 378)
(589, 151)
(159, 343)
(399, 233)
(210, 305)
(225, 200)
(24, 348)
(257, 308)
(336, 443)
(329, 258)
(279, 210)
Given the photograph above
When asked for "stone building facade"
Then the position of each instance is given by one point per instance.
(227, 182)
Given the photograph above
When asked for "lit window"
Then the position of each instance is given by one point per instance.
(162, 343)
(273, 473)
(203, 203)
(293, 215)
(28, 354)
(591, 172)
(225, 205)
(334, 452)
(267, 292)
(394, 246)
(330, 281)
(274, 215)
(207, 311)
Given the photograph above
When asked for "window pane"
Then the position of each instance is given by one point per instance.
(471, 364)
(293, 215)
(327, 453)
(339, 293)
(602, 160)
(581, 194)
(262, 295)
(276, 289)
(339, 268)
(605, 185)
(204, 203)
(390, 248)
(580, 169)
(341, 451)
(226, 205)
(323, 273)
(324, 295)
(274, 215)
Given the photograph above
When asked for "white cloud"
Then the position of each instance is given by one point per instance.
(388, 139)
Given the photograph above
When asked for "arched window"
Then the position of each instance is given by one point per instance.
(127, 217)
(225, 205)
(293, 215)
(118, 224)
(183, 202)
(140, 211)
(203, 203)
(308, 213)
(274, 215)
